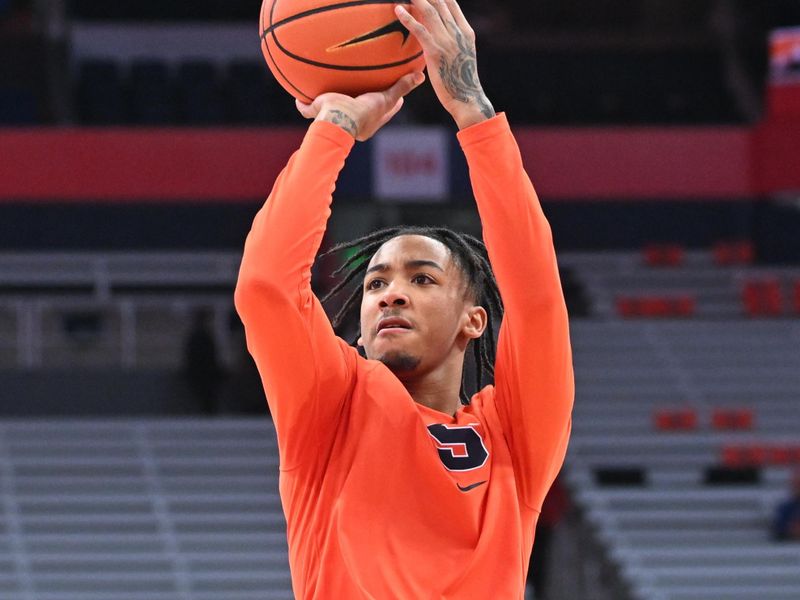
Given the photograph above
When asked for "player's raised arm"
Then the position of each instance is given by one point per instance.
(305, 368)
(533, 372)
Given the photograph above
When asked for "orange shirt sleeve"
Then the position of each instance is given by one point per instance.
(534, 380)
(306, 370)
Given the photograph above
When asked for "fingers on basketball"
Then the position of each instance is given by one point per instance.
(304, 109)
(401, 87)
(417, 29)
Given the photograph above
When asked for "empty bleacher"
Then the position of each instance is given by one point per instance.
(194, 92)
(657, 497)
(606, 86)
(154, 505)
(112, 309)
(551, 87)
(124, 510)
(715, 285)
(139, 303)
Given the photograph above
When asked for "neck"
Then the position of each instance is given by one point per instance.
(438, 389)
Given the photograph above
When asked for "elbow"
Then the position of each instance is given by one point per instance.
(244, 297)
(241, 296)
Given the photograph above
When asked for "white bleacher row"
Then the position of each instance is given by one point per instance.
(102, 272)
(717, 288)
(624, 371)
(145, 328)
(144, 299)
(675, 538)
(123, 510)
(189, 509)
(135, 331)
(606, 273)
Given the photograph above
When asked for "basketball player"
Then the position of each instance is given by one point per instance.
(395, 485)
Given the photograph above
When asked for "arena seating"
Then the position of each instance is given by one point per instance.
(763, 297)
(684, 433)
(557, 87)
(194, 92)
(99, 93)
(199, 94)
(125, 510)
(609, 86)
(699, 285)
(141, 305)
(250, 93)
(677, 531)
(18, 106)
(146, 298)
(152, 93)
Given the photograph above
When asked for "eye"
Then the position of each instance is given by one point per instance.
(422, 279)
(371, 285)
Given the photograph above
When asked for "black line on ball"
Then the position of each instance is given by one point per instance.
(322, 9)
(322, 65)
(274, 62)
(274, 26)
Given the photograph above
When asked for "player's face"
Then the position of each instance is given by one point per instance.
(415, 313)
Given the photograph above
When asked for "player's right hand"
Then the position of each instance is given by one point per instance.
(448, 43)
(363, 115)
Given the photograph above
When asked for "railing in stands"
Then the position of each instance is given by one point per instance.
(120, 309)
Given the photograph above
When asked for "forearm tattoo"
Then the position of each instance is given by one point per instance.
(343, 120)
(460, 77)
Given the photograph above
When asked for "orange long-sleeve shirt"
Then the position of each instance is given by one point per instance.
(385, 498)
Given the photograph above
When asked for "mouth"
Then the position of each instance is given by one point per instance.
(393, 325)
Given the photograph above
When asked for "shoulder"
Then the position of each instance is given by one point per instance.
(372, 377)
(482, 405)
(484, 396)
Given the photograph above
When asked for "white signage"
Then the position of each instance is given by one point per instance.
(784, 51)
(410, 164)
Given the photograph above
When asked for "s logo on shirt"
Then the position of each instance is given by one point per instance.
(460, 447)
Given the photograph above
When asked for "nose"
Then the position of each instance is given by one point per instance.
(393, 297)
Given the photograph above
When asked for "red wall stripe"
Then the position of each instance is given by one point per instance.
(241, 164)
(641, 163)
(136, 164)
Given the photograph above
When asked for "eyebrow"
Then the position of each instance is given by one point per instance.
(411, 264)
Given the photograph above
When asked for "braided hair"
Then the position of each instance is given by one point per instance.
(468, 253)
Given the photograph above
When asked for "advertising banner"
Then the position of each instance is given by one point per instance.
(410, 164)
(784, 56)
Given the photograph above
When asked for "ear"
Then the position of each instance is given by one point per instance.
(476, 322)
(360, 340)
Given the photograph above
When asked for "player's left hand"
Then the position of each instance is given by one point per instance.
(361, 116)
(448, 43)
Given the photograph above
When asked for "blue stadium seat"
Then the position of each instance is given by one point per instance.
(18, 106)
(198, 94)
(587, 87)
(100, 95)
(256, 97)
(248, 92)
(152, 96)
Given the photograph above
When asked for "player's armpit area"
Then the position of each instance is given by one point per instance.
(534, 396)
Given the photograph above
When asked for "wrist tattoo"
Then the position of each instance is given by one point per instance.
(343, 120)
(460, 77)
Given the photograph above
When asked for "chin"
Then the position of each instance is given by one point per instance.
(399, 362)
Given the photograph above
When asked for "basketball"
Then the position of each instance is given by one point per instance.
(318, 46)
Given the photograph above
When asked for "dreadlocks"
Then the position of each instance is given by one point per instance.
(470, 256)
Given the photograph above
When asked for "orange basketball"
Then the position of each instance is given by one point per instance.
(317, 46)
